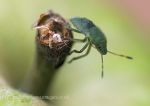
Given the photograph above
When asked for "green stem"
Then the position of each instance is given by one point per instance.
(38, 80)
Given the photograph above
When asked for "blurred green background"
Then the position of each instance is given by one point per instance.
(125, 82)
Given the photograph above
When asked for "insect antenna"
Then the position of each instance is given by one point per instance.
(128, 57)
(102, 73)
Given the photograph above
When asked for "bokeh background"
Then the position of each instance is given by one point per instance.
(126, 24)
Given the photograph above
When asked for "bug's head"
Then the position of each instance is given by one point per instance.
(102, 49)
(82, 24)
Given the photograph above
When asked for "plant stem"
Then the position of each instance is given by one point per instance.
(50, 54)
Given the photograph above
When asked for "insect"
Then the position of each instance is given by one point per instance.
(94, 37)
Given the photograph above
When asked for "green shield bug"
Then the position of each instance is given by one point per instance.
(94, 37)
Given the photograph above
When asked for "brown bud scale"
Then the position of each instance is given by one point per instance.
(53, 38)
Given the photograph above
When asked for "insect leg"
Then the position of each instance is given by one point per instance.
(79, 40)
(72, 29)
(80, 51)
(78, 57)
(102, 74)
(75, 30)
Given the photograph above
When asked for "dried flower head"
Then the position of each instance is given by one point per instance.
(53, 37)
